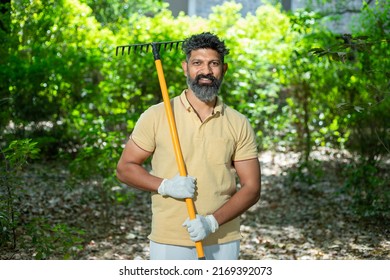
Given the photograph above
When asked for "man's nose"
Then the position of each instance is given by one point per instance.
(207, 70)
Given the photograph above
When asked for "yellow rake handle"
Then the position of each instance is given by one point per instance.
(177, 148)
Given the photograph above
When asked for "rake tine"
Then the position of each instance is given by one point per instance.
(117, 50)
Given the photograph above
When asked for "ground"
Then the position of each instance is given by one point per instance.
(292, 220)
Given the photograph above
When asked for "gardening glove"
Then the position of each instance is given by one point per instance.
(178, 187)
(200, 227)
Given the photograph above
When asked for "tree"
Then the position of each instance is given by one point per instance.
(5, 38)
(111, 13)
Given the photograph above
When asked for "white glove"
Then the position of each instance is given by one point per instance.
(178, 187)
(200, 227)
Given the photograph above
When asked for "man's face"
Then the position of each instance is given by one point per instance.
(204, 71)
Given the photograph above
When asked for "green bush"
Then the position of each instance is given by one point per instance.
(14, 158)
(59, 241)
(369, 187)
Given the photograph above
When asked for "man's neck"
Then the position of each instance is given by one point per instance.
(203, 109)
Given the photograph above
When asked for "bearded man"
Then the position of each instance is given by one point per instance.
(218, 146)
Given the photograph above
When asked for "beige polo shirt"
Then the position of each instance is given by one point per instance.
(209, 149)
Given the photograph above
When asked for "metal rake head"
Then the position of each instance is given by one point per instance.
(155, 46)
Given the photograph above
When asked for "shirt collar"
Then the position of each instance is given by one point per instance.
(217, 109)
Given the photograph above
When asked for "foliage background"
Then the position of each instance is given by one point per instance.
(66, 95)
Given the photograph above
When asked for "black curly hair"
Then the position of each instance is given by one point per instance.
(205, 40)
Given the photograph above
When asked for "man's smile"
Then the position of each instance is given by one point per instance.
(205, 81)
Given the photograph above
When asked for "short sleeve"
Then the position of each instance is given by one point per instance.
(246, 146)
(144, 131)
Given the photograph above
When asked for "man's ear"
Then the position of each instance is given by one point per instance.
(184, 66)
(225, 68)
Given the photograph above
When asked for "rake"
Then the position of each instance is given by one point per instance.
(156, 47)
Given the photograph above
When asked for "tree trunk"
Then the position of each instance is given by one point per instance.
(5, 36)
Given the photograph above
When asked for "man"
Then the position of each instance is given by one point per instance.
(217, 143)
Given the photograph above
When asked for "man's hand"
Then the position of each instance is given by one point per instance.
(200, 227)
(178, 187)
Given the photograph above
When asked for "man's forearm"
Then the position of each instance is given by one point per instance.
(238, 204)
(136, 176)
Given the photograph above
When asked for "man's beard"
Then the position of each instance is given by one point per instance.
(205, 92)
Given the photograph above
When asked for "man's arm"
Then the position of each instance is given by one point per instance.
(131, 172)
(249, 174)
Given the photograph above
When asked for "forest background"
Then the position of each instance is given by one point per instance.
(67, 100)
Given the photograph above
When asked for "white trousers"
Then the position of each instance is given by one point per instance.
(226, 251)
